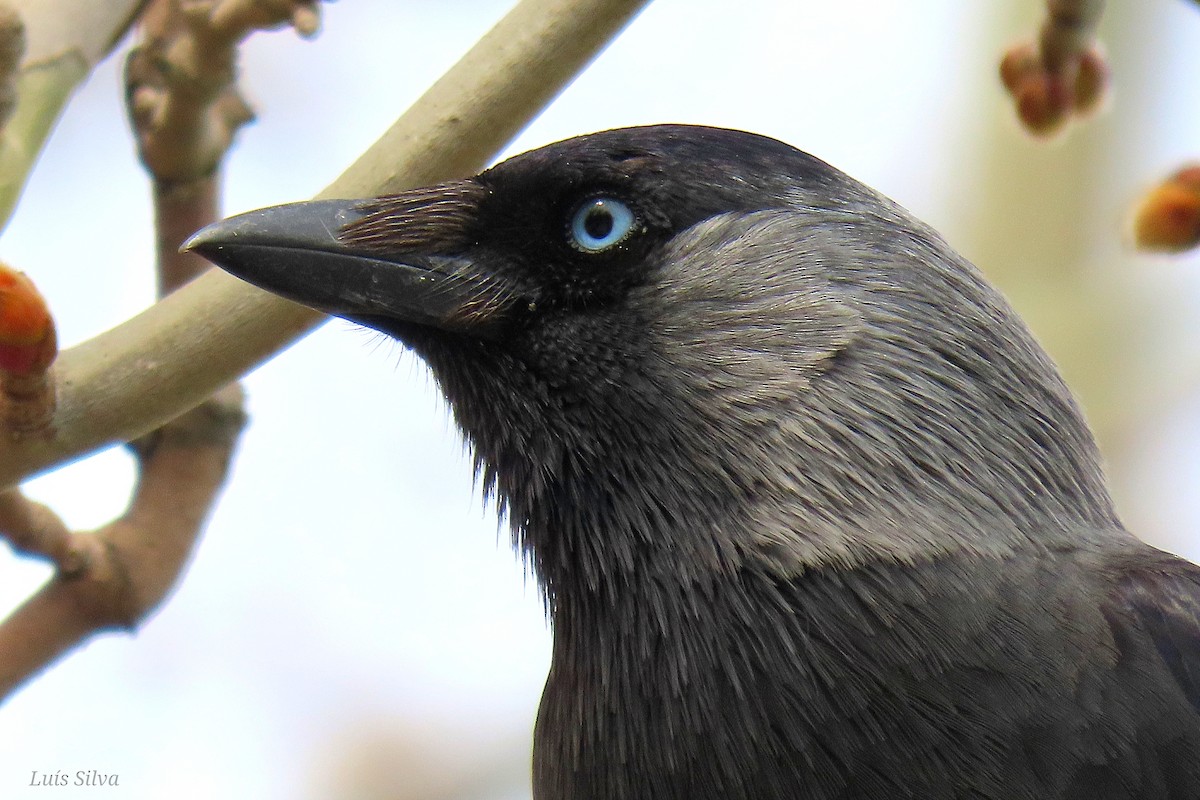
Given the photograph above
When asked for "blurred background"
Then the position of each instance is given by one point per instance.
(355, 624)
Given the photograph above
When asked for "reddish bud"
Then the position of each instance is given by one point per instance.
(1091, 81)
(27, 340)
(1168, 219)
(1047, 97)
(1043, 104)
(1020, 60)
(1188, 177)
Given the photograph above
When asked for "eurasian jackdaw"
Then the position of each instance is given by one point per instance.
(814, 514)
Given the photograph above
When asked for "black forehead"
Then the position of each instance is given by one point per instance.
(686, 172)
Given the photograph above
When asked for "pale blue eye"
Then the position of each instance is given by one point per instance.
(601, 223)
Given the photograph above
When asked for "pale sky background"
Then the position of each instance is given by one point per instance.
(352, 594)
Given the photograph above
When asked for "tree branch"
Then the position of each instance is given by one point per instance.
(151, 368)
(113, 577)
(205, 334)
(63, 40)
(183, 101)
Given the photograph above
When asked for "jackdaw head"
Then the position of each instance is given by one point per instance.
(675, 349)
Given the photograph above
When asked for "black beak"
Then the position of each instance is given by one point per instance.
(296, 251)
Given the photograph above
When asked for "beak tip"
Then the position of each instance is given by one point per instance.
(199, 242)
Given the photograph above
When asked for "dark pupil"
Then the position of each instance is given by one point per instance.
(598, 224)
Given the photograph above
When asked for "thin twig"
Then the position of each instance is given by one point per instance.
(34, 530)
(181, 92)
(1068, 32)
(63, 40)
(126, 568)
(12, 48)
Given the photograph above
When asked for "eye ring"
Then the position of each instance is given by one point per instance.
(600, 224)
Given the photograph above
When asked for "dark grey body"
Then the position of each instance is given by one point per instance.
(951, 679)
(814, 515)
